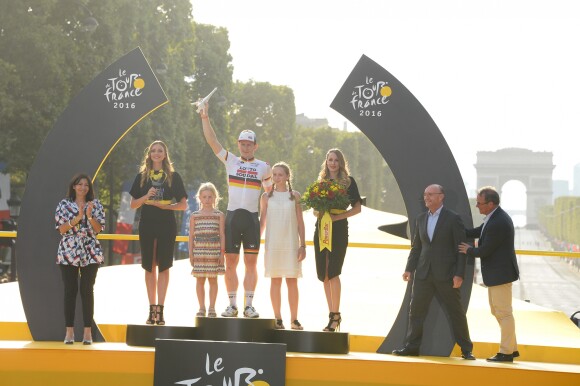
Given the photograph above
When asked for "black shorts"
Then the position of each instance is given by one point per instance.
(242, 227)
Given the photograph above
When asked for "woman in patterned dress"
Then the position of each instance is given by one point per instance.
(158, 190)
(206, 246)
(281, 217)
(79, 218)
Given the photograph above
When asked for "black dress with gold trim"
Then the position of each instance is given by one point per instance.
(155, 223)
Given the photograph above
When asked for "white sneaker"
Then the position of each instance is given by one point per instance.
(250, 312)
(230, 312)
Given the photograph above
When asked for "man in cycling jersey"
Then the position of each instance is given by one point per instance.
(246, 175)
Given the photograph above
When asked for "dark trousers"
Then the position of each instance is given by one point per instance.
(450, 298)
(70, 278)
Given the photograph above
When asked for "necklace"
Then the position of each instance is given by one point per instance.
(156, 175)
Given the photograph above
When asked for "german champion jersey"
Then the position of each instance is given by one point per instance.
(245, 180)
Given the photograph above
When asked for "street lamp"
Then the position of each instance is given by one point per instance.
(89, 24)
(14, 206)
(240, 108)
(259, 122)
(161, 68)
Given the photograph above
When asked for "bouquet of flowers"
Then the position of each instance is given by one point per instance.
(325, 195)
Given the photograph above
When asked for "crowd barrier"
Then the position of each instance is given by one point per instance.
(521, 252)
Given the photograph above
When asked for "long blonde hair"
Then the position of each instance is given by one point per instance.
(288, 172)
(147, 163)
(343, 171)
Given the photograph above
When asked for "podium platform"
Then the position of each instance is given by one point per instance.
(549, 343)
(242, 330)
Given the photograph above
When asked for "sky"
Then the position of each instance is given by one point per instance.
(492, 74)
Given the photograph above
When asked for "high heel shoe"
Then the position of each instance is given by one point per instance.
(69, 337)
(87, 336)
(279, 325)
(152, 313)
(159, 318)
(334, 320)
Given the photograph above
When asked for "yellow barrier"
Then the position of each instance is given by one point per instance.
(523, 252)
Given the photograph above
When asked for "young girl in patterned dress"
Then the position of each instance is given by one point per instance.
(206, 246)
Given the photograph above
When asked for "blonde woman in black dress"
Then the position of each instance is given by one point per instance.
(157, 189)
(329, 264)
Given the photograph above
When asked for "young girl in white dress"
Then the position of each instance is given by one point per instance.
(281, 217)
(206, 246)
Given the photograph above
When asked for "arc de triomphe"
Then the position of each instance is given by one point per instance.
(533, 169)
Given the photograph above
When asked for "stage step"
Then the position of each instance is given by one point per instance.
(242, 330)
(145, 335)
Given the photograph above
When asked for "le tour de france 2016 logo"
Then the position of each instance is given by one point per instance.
(369, 98)
(241, 377)
(122, 90)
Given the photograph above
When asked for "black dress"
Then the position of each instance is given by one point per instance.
(158, 224)
(339, 241)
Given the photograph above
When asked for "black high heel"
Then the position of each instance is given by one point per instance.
(160, 319)
(334, 319)
(152, 312)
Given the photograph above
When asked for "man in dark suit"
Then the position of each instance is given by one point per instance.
(499, 267)
(438, 269)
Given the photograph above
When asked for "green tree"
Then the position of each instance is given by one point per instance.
(269, 111)
(47, 57)
(213, 68)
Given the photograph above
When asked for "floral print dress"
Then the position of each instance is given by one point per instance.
(79, 245)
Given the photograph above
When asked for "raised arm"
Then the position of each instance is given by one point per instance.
(208, 131)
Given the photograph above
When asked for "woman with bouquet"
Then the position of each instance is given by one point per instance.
(330, 197)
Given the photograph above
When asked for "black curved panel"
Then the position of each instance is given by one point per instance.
(415, 150)
(84, 134)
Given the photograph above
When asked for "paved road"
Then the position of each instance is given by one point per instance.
(550, 282)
